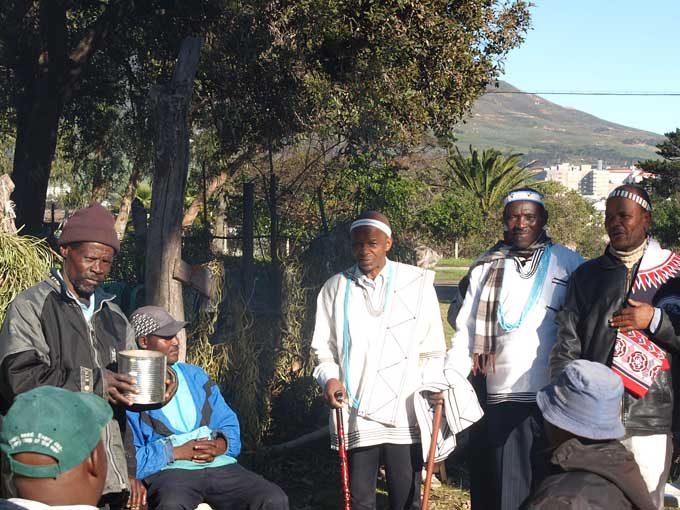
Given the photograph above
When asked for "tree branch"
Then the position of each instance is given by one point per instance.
(90, 43)
(214, 183)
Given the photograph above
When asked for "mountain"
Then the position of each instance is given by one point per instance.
(549, 133)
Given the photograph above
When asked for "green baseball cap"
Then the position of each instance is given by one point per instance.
(62, 424)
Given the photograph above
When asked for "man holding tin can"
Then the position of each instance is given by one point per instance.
(65, 330)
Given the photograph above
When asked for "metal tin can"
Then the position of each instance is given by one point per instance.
(148, 368)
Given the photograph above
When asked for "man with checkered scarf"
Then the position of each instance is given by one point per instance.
(505, 330)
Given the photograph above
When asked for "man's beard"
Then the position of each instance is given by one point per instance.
(84, 289)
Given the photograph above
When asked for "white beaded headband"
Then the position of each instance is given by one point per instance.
(624, 193)
(368, 222)
(524, 194)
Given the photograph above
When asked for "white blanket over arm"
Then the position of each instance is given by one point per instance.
(461, 409)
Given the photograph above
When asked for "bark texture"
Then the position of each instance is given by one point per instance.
(164, 242)
(49, 72)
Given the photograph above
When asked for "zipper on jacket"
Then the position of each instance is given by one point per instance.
(622, 412)
(627, 290)
(107, 436)
(97, 361)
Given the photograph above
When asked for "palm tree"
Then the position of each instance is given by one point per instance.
(488, 177)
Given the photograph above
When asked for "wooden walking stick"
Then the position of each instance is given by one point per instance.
(342, 452)
(430, 456)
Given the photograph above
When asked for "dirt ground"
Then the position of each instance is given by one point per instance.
(310, 475)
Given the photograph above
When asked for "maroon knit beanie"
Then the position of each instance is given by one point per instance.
(92, 224)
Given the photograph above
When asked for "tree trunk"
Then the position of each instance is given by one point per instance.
(47, 75)
(248, 237)
(276, 275)
(322, 209)
(164, 242)
(36, 140)
(138, 213)
(99, 186)
(126, 202)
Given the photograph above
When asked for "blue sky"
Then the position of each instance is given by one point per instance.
(604, 45)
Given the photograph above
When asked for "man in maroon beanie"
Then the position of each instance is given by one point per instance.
(65, 331)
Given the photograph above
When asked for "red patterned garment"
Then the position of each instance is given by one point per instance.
(637, 359)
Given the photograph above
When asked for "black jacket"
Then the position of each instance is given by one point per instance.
(45, 339)
(596, 290)
(592, 477)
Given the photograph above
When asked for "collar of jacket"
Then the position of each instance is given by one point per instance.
(100, 296)
(608, 261)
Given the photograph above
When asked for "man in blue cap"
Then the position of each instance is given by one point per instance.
(590, 468)
(622, 309)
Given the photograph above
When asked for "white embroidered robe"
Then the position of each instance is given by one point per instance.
(388, 356)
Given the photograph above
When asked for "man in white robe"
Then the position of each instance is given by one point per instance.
(378, 334)
(505, 330)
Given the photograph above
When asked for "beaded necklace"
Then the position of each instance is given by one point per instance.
(534, 295)
(346, 339)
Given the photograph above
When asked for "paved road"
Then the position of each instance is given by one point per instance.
(446, 291)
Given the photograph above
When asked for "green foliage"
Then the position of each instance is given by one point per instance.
(452, 215)
(349, 184)
(6, 150)
(374, 184)
(125, 263)
(488, 176)
(371, 73)
(385, 70)
(665, 180)
(573, 221)
(666, 220)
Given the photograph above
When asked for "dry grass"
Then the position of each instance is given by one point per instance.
(24, 261)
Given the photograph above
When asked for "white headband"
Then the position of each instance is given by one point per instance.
(368, 222)
(524, 194)
(624, 193)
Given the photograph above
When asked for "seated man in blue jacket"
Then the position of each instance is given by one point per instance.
(187, 449)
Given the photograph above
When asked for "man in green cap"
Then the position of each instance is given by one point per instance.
(52, 441)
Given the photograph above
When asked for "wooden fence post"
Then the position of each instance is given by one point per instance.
(248, 240)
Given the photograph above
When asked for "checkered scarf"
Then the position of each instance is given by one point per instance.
(486, 320)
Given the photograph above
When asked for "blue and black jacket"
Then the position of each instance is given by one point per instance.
(196, 410)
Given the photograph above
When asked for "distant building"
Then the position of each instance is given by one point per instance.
(593, 183)
(596, 183)
(568, 175)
